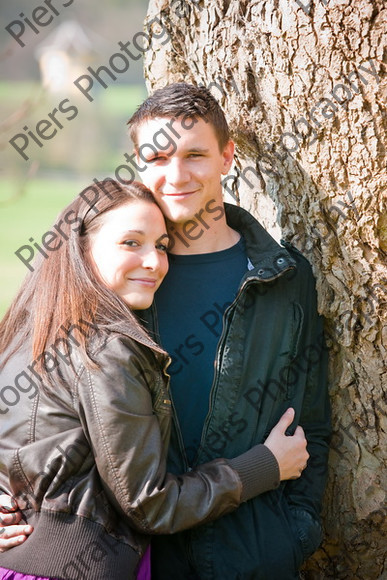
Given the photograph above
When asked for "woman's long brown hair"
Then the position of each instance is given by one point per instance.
(63, 289)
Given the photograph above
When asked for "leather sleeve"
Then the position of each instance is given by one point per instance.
(117, 411)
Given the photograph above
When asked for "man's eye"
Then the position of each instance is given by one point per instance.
(155, 159)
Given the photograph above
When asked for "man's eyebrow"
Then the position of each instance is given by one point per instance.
(158, 150)
(198, 149)
(191, 150)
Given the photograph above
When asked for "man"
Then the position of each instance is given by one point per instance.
(237, 312)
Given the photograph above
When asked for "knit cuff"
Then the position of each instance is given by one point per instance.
(258, 470)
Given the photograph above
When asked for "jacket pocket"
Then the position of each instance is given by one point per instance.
(307, 529)
(291, 372)
(161, 400)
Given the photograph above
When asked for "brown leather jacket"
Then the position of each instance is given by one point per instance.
(87, 464)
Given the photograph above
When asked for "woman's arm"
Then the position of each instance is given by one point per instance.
(128, 430)
(118, 418)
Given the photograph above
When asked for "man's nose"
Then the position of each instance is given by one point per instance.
(176, 172)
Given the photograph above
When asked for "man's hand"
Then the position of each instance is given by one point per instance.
(289, 450)
(11, 532)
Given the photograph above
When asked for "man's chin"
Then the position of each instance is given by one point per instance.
(177, 215)
(178, 208)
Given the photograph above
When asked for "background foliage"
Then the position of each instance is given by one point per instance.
(91, 145)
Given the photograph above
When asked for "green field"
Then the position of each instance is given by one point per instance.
(28, 215)
(88, 143)
(116, 100)
(90, 146)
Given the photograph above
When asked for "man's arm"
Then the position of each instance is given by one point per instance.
(12, 532)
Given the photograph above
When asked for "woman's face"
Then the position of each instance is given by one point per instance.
(129, 252)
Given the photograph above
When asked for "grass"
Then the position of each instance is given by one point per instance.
(122, 96)
(90, 145)
(28, 215)
(122, 100)
(90, 137)
(15, 92)
(116, 101)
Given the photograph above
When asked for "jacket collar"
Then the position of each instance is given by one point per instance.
(267, 259)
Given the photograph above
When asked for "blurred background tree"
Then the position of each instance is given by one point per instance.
(91, 145)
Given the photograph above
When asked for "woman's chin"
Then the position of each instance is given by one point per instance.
(138, 303)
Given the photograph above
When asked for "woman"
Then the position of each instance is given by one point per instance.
(85, 409)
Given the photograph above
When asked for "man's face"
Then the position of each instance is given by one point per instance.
(183, 164)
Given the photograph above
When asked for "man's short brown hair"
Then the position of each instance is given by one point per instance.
(182, 100)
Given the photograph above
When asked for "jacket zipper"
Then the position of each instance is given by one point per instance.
(179, 436)
(218, 357)
(175, 419)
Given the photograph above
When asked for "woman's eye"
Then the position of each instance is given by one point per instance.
(162, 247)
(131, 243)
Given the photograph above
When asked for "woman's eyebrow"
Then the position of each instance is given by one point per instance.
(141, 232)
(127, 232)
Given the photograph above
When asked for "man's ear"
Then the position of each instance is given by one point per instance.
(228, 156)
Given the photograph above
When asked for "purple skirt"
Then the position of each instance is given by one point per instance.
(10, 575)
(144, 569)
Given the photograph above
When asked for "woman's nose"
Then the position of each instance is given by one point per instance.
(151, 260)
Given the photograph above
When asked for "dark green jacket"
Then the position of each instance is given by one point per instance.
(271, 356)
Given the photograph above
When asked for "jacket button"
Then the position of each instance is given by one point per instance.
(261, 271)
(280, 261)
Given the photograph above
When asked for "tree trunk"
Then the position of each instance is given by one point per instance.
(303, 88)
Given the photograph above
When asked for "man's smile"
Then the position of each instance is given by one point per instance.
(179, 194)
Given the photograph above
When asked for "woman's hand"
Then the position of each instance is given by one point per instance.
(12, 533)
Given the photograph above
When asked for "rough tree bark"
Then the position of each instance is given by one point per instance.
(303, 87)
